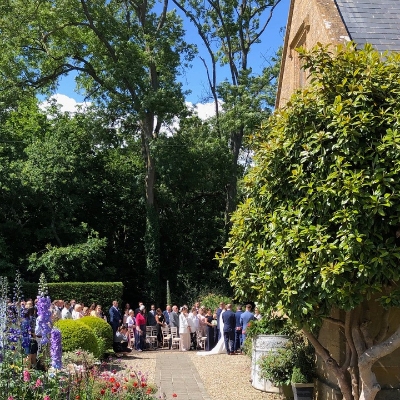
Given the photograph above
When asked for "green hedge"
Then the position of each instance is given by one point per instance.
(87, 292)
(77, 335)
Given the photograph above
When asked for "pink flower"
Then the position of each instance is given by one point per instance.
(10, 398)
(46, 397)
(27, 376)
(38, 383)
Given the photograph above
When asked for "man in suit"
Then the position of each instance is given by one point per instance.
(245, 318)
(238, 331)
(167, 313)
(115, 316)
(229, 320)
(174, 318)
(219, 310)
(151, 316)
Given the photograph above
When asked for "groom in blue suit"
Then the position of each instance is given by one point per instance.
(229, 320)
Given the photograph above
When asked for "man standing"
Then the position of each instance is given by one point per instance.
(115, 317)
(65, 313)
(219, 310)
(151, 316)
(229, 320)
(174, 318)
(245, 318)
(238, 331)
(167, 313)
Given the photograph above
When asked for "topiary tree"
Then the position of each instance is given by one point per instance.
(77, 335)
(320, 227)
(101, 329)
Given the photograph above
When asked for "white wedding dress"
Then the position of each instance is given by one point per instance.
(219, 348)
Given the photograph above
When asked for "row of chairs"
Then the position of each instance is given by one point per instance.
(170, 338)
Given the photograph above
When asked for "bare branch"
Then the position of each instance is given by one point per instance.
(163, 16)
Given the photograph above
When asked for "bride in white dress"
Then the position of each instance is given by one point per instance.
(219, 348)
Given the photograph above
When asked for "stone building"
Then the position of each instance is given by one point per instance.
(337, 21)
(334, 21)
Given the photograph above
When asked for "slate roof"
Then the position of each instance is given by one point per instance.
(372, 21)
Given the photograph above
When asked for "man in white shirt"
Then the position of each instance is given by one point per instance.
(65, 313)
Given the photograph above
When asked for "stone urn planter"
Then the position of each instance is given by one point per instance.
(262, 345)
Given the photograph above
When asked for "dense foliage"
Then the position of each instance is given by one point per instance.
(77, 335)
(320, 224)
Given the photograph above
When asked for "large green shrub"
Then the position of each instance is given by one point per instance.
(101, 329)
(212, 300)
(77, 335)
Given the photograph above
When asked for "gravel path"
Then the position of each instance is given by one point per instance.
(225, 377)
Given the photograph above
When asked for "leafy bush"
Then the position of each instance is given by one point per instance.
(102, 330)
(77, 335)
(294, 361)
(79, 357)
(212, 300)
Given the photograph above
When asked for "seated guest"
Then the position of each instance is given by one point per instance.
(77, 312)
(120, 344)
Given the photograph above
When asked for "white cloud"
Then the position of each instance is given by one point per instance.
(204, 111)
(68, 104)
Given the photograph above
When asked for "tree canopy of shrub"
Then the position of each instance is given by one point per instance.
(320, 225)
(77, 335)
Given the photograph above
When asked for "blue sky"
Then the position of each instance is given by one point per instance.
(195, 79)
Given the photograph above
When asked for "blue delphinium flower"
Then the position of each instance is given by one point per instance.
(44, 317)
(56, 349)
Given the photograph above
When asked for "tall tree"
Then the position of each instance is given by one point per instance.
(229, 30)
(319, 230)
(126, 55)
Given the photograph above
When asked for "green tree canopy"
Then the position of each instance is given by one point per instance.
(320, 225)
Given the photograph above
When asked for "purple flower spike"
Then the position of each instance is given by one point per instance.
(56, 349)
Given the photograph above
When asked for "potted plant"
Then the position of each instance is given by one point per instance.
(302, 387)
(264, 337)
(293, 362)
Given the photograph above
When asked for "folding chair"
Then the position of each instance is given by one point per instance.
(175, 340)
(166, 336)
(151, 337)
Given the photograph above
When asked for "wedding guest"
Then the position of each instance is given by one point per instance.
(97, 312)
(151, 316)
(126, 313)
(174, 318)
(211, 325)
(65, 313)
(77, 312)
(245, 318)
(160, 321)
(140, 337)
(257, 314)
(120, 344)
(238, 331)
(131, 322)
(72, 305)
(115, 316)
(184, 329)
(167, 313)
(91, 309)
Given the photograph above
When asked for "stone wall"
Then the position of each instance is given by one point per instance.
(309, 22)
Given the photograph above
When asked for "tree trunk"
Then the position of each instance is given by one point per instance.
(369, 385)
(331, 365)
(231, 188)
(152, 233)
